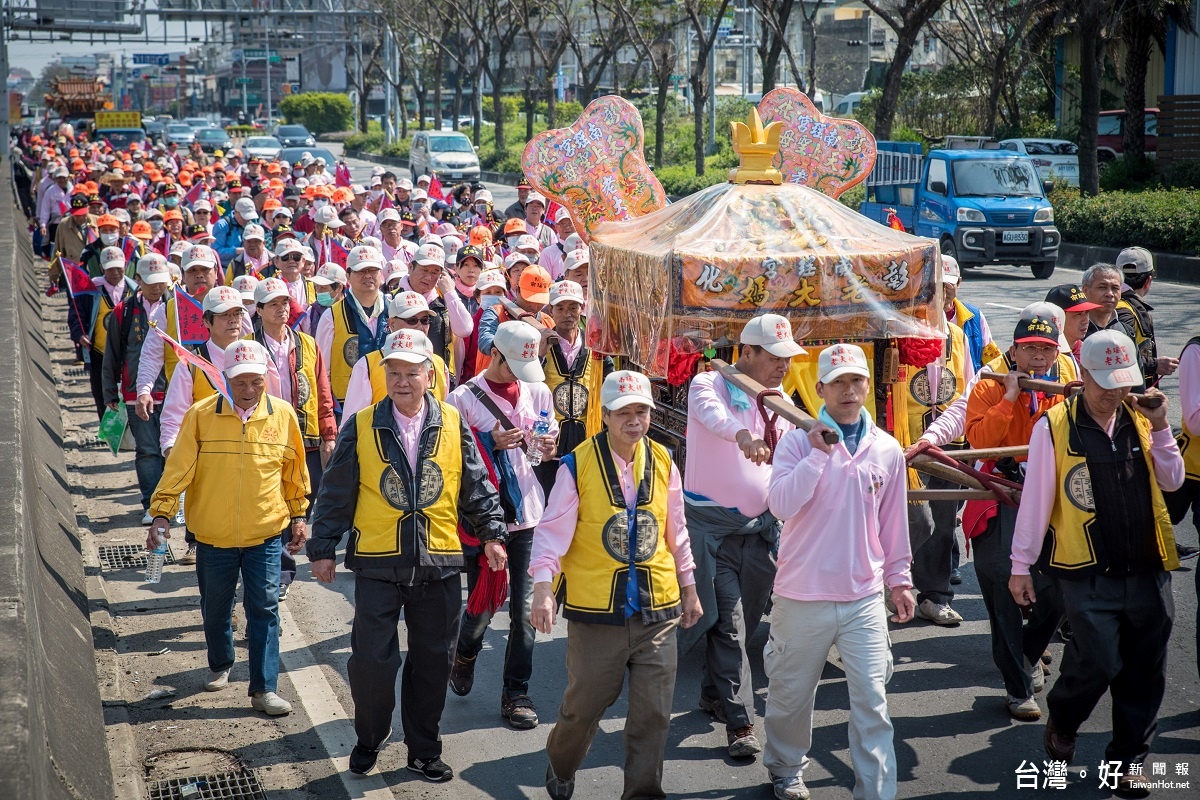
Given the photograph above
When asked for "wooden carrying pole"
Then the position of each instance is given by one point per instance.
(974, 489)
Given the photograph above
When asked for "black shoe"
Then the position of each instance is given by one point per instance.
(1134, 786)
(955, 577)
(520, 711)
(1060, 746)
(462, 675)
(1064, 631)
(433, 769)
(362, 759)
(558, 788)
(713, 707)
(1186, 551)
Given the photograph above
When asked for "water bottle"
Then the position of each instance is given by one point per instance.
(179, 518)
(155, 560)
(540, 428)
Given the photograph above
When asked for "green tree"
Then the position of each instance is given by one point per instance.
(908, 18)
(1144, 23)
(320, 112)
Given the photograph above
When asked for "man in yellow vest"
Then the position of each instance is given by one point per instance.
(1092, 514)
(404, 471)
(356, 324)
(367, 386)
(87, 314)
(571, 367)
(1137, 270)
(255, 445)
(615, 536)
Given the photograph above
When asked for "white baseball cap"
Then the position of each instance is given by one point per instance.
(483, 195)
(288, 245)
(358, 188)
(388, 215)
(364, 257)
(245, 208)
(327, 216)
(245, 286)
(841, 359)
(371, 241)
(519, 343)
(491, 278)
(329, 274)
(566, 290)
(527, 242)
(534, 197)
(245, 356)
(282, 211)
(625, 387)
(199, 255)
(267, 290)
(408, 345)
(253, 231)
(220, 299)
(561, 214)
(575, 258)
(404, 183)
(394, 269)
(201, 205)
(112, 257)
(1135, 261)
(152, 268)
(407, 304)
(420, 194)
(433, 238)
(430, 254)
(772, 333)
(1110, 357)
(425, 179)
(514, 258)
(951, 272)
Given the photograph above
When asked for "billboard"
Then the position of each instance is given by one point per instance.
(91, 10)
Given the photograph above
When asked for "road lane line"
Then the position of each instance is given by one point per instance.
(326, 713)
(1001, 305)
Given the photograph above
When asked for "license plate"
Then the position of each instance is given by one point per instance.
(455, 174)
(1015, 237)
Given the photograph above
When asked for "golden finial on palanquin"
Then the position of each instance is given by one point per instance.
(756, 146)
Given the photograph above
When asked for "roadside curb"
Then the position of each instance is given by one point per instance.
(1170, 266)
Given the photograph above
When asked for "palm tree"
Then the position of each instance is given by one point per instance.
(1145, 23)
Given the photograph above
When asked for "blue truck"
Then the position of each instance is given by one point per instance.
(982, 206)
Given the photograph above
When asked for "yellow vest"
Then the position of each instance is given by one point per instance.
(1074, 511)
(345, 352)
(170, 360)
(596, 565)
(921, 401)
(386, 523)
(305, 404)
(379, 380)
(99, 332)
(1189, 444)
(571, 388)
(1139, 334)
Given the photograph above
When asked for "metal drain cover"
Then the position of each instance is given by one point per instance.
(221, 786)
(75, 372)
(115, 557)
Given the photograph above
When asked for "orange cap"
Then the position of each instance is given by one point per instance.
(535, 284)
(174, 213)
(92, 187)
(271, 204)
(515, 226)
(480, 236)
(141, 229)
(108, 220)
(342, 194)
(323, 190)
(274, 168)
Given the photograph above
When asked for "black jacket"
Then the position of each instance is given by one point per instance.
(333, 515)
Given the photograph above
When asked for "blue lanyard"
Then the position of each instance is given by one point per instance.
(633, 600)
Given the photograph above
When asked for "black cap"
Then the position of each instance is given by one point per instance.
(1036, 330)
(79, 201)
(195, 229)
(1070, 297)
(470, 251)
(290, 191)
(282, 231)
(408, 216)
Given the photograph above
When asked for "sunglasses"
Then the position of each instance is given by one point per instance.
(291, 257)
(425, 320)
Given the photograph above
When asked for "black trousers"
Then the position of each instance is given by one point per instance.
(431, 613)
(1013, 642)
(1122, 627)
(932, 559)
(96, 379)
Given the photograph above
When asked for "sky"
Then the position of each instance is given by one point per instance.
(34, 57)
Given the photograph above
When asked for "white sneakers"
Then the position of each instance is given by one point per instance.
(271, 704)
(938, 614)
(147, 518)
(1026, 710)
(217, 681)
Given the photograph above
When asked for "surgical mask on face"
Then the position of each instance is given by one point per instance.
(376, 194)
(489, 300)
(156, 225)
(170, 202)
(325, 299)
(108, 239)
(512, 242)
(481, 208)
(320, 202)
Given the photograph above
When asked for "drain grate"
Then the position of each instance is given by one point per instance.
(75, 372)
(115, 557)
(221, 786)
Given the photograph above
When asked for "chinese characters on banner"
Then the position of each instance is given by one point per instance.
(1054, 775)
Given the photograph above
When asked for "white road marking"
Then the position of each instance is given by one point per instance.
(328, 717)
(1001, 305)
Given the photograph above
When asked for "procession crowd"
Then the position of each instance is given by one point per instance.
(303, 360)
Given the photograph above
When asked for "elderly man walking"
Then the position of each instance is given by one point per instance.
(254, 444)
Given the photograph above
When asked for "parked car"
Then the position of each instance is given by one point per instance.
(447, 154)
(121, 138)
(197, 122)
(180, 133)
(154, 129)
(848, 104)
(1055, 159)
(213, 139)
(262, 147)
(1110, 134)
(293, 154)
(294, 136)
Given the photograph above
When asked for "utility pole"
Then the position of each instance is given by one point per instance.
(267, 45)
(183, 86)
(712, 99)
(4, 115)
(245, 103)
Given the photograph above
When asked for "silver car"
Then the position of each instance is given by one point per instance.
(1055, 159)
(447, 154)
(262, 147)
(180, 133)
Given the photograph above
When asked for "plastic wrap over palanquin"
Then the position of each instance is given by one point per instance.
(690, 275)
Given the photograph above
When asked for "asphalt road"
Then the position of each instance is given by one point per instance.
(954, 738)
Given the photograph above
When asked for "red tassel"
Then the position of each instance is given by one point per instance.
(491, 590)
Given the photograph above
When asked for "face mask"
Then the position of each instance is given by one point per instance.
(320, 203)
(481, 208)
(489, 300)
(108, 239)
(512, 242)
(170, 202)
(156, 225)
(298, 173)
(376, 194)
(325, 299)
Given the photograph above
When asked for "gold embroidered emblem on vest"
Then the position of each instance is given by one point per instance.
(428, 492)
(616, 536)
(947, 385)
(350, 350)
(303, 390)
(1079, 488)
(269, 435)
(570, 399)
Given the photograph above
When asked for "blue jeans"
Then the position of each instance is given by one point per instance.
(217, 571)
(518, 656)
(148, 459)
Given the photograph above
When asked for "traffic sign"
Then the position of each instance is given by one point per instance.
(244, 81)
(154, 59)
(251, 55)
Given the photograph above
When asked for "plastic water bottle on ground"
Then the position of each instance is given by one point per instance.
(155, 560)
(540, 428)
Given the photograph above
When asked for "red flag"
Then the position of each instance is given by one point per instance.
(203, 364)
(338, 254)
(341, 175)
(386, 202)
(63, 208)
(435, 189)
(189, 312)
(552, 213)
(194, 194)
(90, 236)
(78, 280)
(129, 248)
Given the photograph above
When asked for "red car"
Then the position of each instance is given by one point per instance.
(1110, 141)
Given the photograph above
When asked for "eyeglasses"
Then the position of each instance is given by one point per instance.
(425, 320)
(291, 257)
(1038, 349)
(231, 315)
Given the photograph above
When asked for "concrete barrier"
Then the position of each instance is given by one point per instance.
(1170, 266)
(52, 738)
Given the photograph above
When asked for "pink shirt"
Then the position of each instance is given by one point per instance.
(713, 425)
(279, 371)
(114, 292)
(1041, 485)
(845, 530)
(410, 432)
(299, 291)
(461, 323)
(151, 360)
(1189, 387)
(569, 350)
(551, 260)
(244, 414)
(533, 398)
(179, 394)
(553, 537)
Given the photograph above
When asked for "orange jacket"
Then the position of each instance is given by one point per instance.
(993, 421)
